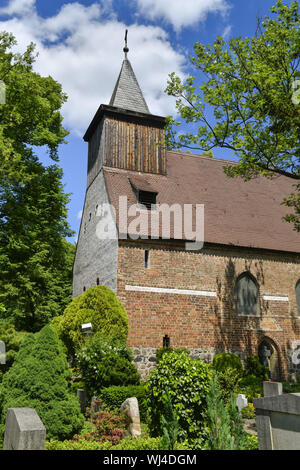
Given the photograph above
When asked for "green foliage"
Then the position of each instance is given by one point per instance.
(161, 351)
(115, 395)
(35, 260)
(251, 386)
(225, 361)
(81, 444)
(225, 423)
(105, 362)
(40, 378)
(251, 381)
(236, 424)
(99, 306)
(248, 412)
(169, 424)
(108, 426)
(252, 442)
(250, 84)
(220, 437)
(12, 340)
(140, 443)
(291, 387)
(187, 382)
(31, 115)
(229, 382)
(254, 367)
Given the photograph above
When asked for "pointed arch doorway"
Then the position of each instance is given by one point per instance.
(269, 356)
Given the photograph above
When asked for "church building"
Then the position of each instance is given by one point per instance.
(236, 290)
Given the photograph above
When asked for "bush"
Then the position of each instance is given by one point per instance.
(250, 381)
(291, 387)
(103, 363)
(248, 412)
(40, 378)
(99, 306)
(108, 426)
(252, 442)
(53, 444)
(251, 387)
(12, 340)
(161, 351)
(229, 383)
(225, 361)
(187, 381)
(114, 396)
(254, 367)
(140, 443)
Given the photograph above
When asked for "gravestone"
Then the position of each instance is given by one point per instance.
(278, 419)
(81, 395)
(131, 406)
(272, 388)
(241, 401)
(23, 430)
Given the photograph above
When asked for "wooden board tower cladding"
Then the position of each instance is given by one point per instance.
(134, 146)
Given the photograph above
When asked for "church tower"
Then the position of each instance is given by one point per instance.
(122, 135)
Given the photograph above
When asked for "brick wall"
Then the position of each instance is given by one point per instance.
(159, 301)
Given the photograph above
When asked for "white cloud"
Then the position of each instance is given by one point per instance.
(227, 31)
(79, 215)
(17, 7)
(181, 13)
(82, 48)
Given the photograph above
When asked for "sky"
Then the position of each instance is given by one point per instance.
(80, 44)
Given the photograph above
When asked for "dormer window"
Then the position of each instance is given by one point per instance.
(147, 198)
(144, 192)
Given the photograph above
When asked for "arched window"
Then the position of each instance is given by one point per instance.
(298, 295)
(247, 295)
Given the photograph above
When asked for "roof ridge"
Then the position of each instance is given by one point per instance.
(186, 154)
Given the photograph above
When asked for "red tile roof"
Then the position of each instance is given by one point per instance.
(239, 213)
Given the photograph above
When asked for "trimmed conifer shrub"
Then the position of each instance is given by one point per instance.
(98, 305)
(40, 378)
(225, 361)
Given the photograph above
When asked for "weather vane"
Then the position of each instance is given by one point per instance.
(126, 48)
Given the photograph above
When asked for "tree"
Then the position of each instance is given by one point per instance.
(226, 430)
(35, 259)
(30, 115)
(40, 378)
(220, 437)
(253, 88)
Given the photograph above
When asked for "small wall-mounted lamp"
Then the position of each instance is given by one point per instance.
(86, 328)
(166, 341)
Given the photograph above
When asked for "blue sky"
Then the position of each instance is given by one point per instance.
(80, 45)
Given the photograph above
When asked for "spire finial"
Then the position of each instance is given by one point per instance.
(126, 48)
